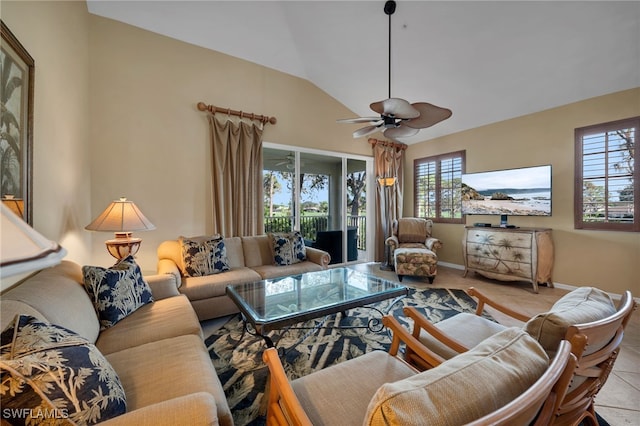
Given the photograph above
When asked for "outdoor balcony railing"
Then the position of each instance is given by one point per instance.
(310, 225)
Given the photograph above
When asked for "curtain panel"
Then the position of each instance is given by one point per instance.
(236, 149)
(388, 163)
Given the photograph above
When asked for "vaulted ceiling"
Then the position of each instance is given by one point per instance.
(485, 60)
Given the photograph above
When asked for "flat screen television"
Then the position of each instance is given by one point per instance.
(511, 192)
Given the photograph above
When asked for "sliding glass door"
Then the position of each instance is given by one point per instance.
(357, 206)
(323, 195)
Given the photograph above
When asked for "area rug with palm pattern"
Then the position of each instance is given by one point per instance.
(237, 358)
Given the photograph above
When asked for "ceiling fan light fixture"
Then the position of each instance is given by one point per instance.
(398, 118)
(389, 122)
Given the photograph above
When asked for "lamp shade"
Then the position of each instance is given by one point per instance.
(121, 216)
(23, 248)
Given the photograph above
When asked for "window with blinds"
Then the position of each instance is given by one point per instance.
(437, 187)
(606, 179)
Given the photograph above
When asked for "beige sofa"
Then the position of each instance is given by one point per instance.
(250, 258)
(157, 351)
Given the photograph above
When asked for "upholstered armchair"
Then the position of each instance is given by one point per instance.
(413, 249)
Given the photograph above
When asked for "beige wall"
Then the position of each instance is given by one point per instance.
(56, 35)
(150, 143)
(610, 260)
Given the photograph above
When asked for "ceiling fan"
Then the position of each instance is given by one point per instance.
(398, 118)
(289, 161)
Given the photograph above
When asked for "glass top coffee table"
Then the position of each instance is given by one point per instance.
(281, 302)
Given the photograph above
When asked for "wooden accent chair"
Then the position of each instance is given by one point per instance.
(505, 380)
(586, 317)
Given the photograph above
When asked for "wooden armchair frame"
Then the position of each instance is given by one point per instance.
(594, 366)
(283, 406)
(536, 403)
(539, 402)
(592, 371)
(419, 355)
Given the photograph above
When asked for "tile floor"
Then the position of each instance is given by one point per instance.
(618, 402)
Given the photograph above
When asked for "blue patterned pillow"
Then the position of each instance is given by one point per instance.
(205, 257)
(288, 248)
(116, 292)
(50, 375)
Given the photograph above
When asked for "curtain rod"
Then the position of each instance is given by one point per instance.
(213, 109)
(374, 141)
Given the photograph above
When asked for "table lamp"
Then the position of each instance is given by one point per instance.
(122, 217)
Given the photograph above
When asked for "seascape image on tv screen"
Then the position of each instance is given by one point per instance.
(514, 192)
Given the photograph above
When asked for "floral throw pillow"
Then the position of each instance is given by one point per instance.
(116, 292)
(206, 257)
(51, 375)
(288, 248)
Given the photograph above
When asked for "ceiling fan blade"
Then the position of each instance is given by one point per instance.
(365, 131)
(395, 106)
(400, 132)
(359, 120)
(429, 115)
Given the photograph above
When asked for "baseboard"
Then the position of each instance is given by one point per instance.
(451, 265)
(567, 287)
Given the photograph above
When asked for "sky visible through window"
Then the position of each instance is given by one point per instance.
(605, 156)
(605, 176)
(283, 197)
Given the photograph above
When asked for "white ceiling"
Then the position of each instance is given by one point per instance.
(485, 60)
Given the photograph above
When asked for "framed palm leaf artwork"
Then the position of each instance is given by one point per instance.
(17, 69)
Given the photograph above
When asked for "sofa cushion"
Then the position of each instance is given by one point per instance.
(159, 320)
(198, 288)
(465, 387)
(49, 372)
(235, 252)
(204, 257)
(273, 271)
(181, 366)
(198, 408)
(117, 291)
(288, 248)
(257, 250)
(56, 295)
(582, 305)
